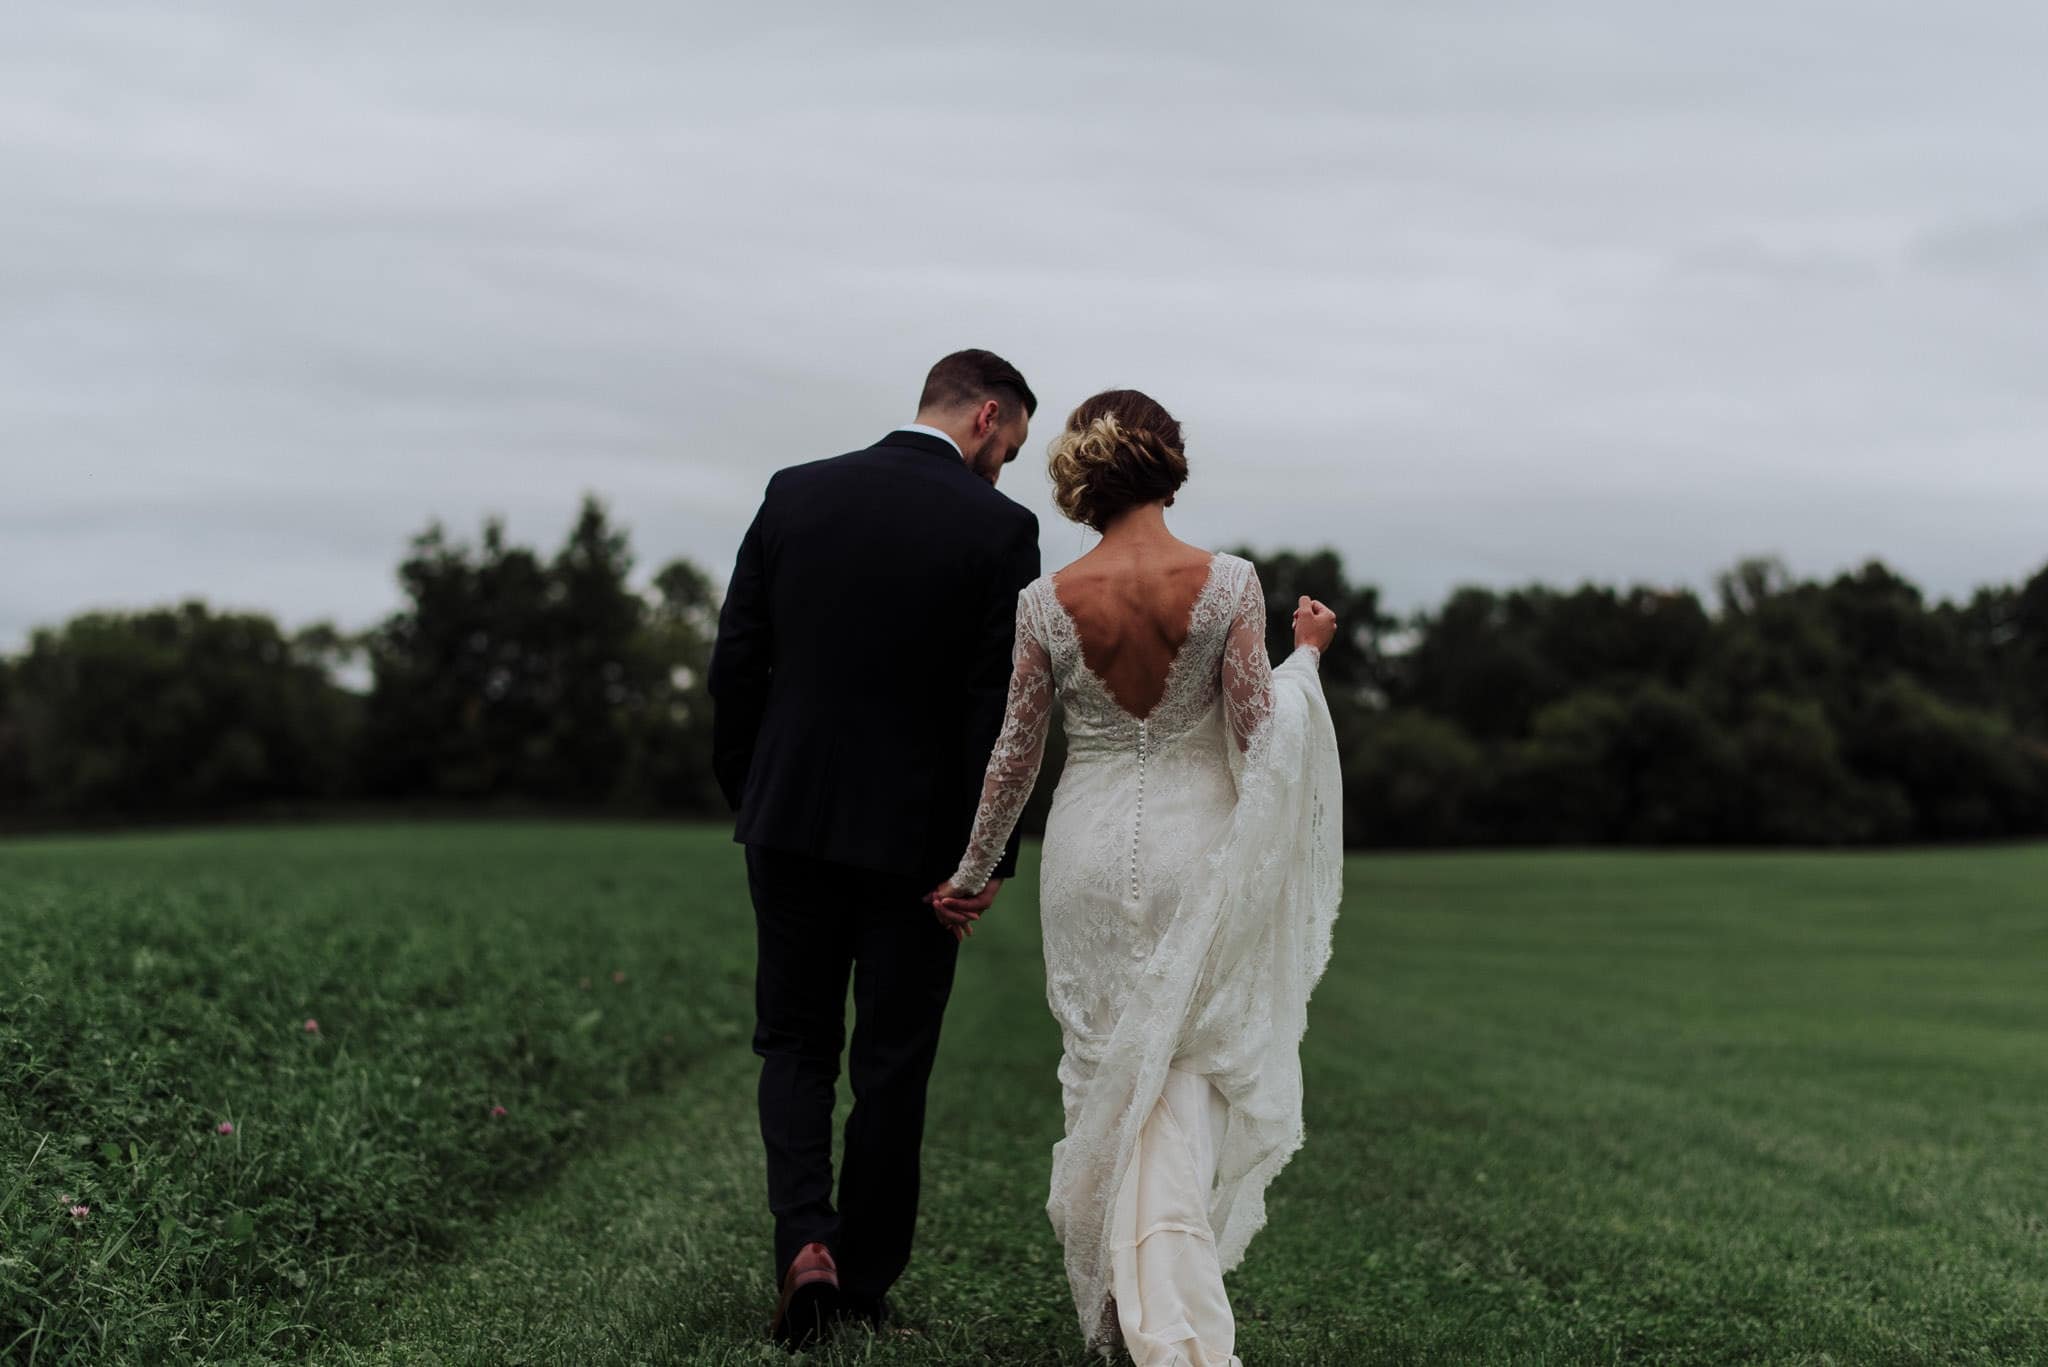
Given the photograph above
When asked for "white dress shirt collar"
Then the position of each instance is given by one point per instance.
(933, 432)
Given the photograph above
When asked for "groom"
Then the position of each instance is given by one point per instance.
(858, 682)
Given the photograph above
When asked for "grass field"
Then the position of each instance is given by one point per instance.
(1562, 1109)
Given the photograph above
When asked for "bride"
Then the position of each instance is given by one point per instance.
(1190, 879)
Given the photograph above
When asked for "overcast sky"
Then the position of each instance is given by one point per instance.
(1471, 291)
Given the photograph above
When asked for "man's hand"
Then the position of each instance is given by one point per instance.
(957, 911)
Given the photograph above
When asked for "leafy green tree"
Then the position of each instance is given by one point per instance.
(1794, 786)
(670, 764)
(1991, 631)
(1477, 662)
(462, 675)
(2015, 641)
(176, 710)
(508, 677)
(1678, 766)
(1648, 766)
(600, 674)
(1412, 780)
(1556, 786)
(1601, 637)
(1884, 627)
(1782, 644)
(1965, 774)
(15, 792)
(1748, 585)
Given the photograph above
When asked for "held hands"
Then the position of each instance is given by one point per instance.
(957, 911)
(1314, 625)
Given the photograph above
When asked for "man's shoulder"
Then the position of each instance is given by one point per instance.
(795, 486)
(806, 471)
(954, 481)
(1005, 521)
(861, 459)
(1016, 514)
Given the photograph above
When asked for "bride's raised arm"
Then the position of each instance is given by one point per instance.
(1247, 672)
(1019, 750)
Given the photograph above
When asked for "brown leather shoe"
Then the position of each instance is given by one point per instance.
(810, 1298)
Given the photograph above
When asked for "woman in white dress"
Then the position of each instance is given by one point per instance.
(1190, 879)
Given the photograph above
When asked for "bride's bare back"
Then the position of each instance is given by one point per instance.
(1131, 603)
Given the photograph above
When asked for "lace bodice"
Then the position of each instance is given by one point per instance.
(1222, 659)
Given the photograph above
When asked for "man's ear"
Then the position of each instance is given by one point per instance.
(986, 419)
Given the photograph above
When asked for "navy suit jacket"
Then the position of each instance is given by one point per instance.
(863, 657)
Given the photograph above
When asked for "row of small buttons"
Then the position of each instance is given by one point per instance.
(1138, 820)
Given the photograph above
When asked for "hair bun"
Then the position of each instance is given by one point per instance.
(1120, 450)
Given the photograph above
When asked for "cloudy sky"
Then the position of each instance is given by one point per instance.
(1471, 291)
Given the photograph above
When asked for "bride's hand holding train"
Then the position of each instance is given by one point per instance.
(1314, 624)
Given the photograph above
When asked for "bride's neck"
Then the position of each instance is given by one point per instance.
(1144, 523)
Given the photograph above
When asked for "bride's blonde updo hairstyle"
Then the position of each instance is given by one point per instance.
(1120, 450)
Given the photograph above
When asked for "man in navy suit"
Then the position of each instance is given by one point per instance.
(859, 677)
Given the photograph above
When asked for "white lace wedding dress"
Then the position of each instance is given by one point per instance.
(1190, 880)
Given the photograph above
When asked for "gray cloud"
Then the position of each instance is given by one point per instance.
(1469, 291)
(2008, 248)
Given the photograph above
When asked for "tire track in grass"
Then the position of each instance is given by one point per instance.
(655, 1249)
(646, 1252)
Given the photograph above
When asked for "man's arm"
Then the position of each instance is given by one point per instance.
(741, 661)
(989, 675)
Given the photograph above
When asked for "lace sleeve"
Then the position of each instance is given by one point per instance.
(1019, 750)
(1247, 672)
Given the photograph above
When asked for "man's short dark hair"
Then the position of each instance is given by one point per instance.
(969, 377)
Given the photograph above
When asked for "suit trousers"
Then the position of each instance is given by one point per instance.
(819, 924)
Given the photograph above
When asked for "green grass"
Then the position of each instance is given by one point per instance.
(1562, 1109)
(159, 986)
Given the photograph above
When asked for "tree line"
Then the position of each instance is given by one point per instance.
(1775, 711)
